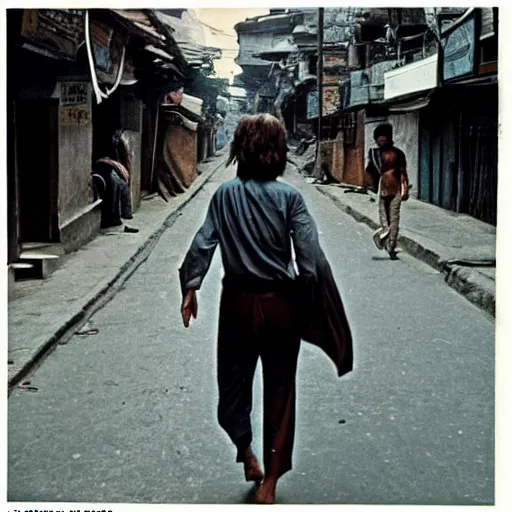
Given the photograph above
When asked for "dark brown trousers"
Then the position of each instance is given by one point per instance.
(253, 325)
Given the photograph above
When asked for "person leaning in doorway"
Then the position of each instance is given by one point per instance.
(255, 218)
(387, 169)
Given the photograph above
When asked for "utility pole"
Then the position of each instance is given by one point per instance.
(320, 79)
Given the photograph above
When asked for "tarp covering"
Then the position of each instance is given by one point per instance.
(177, 163)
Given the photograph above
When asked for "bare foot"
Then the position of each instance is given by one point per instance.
(252, 470)
(266, 493)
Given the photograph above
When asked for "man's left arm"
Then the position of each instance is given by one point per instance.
(404, 178)
(197, 262)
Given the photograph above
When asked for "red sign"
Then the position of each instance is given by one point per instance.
(334, 61)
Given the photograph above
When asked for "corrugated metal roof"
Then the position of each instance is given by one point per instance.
(487, 22)
(140, 20)
(266, 18)
(251, 44)
(282, 48)
(192, 37)
(238, 92)
(157, 51)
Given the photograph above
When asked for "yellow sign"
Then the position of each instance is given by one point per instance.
(75, 115)
(331, 101)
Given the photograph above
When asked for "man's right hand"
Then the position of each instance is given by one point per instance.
(189, 307)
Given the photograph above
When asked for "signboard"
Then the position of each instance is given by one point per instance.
(345, 94)
(334, 61)
(312, 106)
(459, 50)
(412, 78)
(337, 34)
(102, 36)
(331, 102)
(73, 94)
(359, 90)
(338, 23)
(73, 116)
(332, 80)
(74, 103)
(58, 30)
(335, 67)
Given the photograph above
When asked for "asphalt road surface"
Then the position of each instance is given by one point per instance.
(129, 415)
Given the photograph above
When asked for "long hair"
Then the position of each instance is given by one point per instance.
(259, 147)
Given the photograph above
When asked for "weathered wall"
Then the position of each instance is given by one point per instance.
(131, 124)
(75, 234)
(75, 153)
(251, 43)
(405, 135)
(133, 144)
(338, 157)
(354, 160)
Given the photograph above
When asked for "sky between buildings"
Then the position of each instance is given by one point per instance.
(223, 21)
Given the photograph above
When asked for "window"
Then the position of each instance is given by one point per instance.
(130, 112)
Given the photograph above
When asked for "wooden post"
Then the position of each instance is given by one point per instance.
(320, 78)
(294, 116)
(13, 195)
(153, 157)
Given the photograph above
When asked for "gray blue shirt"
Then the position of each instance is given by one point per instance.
(255, 223)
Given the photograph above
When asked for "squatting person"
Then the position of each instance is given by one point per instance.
(255, 218)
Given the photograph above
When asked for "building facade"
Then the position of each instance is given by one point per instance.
(86, 130)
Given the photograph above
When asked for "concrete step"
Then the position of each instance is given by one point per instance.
(42, 259)
(20, 266)
(43, 247)
(19, 270)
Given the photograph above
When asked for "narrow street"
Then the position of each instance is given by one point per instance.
(129, 414)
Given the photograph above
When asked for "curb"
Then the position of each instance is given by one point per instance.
(475, 287)
(109, 288)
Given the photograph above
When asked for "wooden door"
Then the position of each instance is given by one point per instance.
(13, 217)
(37, 166)
(449, 168)
(425, 161)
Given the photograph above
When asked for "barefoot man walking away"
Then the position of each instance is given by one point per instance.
(387, 167)
(255, 218)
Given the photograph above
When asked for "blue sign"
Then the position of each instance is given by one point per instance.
(459, 51)
(312, 109)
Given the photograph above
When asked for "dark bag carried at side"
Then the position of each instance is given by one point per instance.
(324, 322)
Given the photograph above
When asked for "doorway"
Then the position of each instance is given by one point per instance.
(37, 160)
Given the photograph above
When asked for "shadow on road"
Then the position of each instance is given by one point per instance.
(250, 496)
(382, 258)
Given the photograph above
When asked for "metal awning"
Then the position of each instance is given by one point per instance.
(139, 20)
(190, 39)
(474, 81)
(411, 106)
(44, 53)
(283, 48)
(157, 51)
(170, 109)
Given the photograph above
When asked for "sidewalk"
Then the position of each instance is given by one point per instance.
(455, 244)
(44, 313)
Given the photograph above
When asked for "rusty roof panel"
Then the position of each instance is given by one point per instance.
(140, 20)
